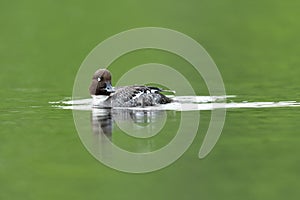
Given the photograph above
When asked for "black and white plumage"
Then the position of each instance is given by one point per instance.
(131, 96)
(126, 96)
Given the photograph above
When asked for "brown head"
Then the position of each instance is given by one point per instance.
(101, 83)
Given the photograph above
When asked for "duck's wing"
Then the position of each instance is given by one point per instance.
(157, 90)
(132, 92)
(125, 95)
(129, 96)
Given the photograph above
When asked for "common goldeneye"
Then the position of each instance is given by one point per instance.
(126, 96)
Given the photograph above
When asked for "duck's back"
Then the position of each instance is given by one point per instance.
(131, 96)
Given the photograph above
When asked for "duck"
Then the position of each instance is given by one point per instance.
(126, 96)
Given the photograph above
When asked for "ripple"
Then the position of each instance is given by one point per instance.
(181, 103)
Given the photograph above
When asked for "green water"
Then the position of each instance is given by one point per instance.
(255, 45)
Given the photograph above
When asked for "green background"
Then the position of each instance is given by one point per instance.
(255, 44)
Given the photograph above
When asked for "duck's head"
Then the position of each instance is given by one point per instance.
(101, 83)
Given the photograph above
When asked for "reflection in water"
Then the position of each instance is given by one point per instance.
(102, 122)
(135, 123)
(102, 129)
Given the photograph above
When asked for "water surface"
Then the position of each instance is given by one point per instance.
(255, 45)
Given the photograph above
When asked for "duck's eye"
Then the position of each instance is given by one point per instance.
(99, 79)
